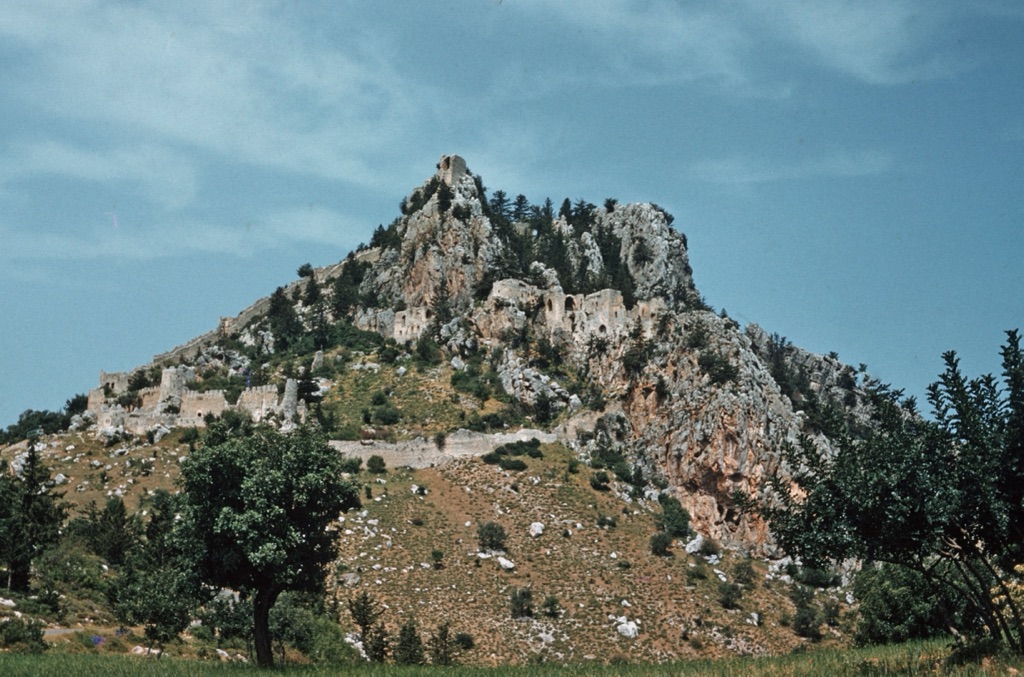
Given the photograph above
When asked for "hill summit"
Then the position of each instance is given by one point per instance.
(580, 321)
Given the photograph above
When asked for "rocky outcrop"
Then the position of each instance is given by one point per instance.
(684, 398)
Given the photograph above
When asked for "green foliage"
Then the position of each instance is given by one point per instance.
(284, 322)
(743, 572)
(365, 611)
(521, 603)
(806, 623)
(110, 533)
(255, 514)
(377, 643)
(550, 607)
(599, 481)
(345, 287)
(717, 367)
(709, 547)
(376, 465)
(33, 423)
(661, 544)
(443, 648)
(491, 536)
(674, 518)
(305, 270)
(301, 622)
(351, 464)
(31, 515)
(944, 497)
(697, 335)
(157, 587)
(22, 636)
(896, 604)
(409, 647)
(729, 595)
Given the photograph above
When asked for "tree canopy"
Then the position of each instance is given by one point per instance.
(257, 512)
(942, 497)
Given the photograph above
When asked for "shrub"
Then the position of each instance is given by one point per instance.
(437, 556)
(696, 573)
(512, 463)
(743, 572)
(464, 641)
(351, 464)
(18, 635)
(491, 536)
(896, 604)
(521, 603)
(375, 464)
(551, 607)
(660, 544)
(442, 646)
(440, 439)
(729, 595)
(409, 648)
(674, 519)
(709, 547)
(599, 481)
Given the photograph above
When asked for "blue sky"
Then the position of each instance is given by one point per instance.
(848, 174)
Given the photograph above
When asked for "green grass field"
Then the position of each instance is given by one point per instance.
(923, 658)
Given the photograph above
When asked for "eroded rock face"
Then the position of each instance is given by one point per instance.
(690, 397)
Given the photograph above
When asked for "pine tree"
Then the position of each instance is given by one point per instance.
(409, 649)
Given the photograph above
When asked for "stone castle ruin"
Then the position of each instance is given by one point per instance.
(173, 403)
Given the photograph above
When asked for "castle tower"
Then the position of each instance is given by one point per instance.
(453, 168)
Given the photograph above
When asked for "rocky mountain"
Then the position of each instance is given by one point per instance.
(584, 321)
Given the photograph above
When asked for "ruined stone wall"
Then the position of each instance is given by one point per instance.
(195, 406)
(150, 397)
(96, 400)
(409, 324)
(258, 401)
(115, 381)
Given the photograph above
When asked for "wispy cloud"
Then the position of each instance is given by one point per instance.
(880, 42)
(241, 81)
(741, 170)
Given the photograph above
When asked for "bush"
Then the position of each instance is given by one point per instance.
(21, 636)
(491, 536)
(660, 544)
(409, 648)
(709, 547)
(351, 464)
(896, 604)
(744, 572)
(599, 481)
(375, 464)
(464, 641)
(521, 603)
(551, 607)
(729, 595)
(674, 519)
(512, 463)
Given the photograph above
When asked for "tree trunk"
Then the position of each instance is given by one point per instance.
(262, 603)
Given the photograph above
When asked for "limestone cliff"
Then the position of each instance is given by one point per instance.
(592, 320)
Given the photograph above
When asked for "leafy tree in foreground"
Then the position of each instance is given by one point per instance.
(256, 513)
(943, 498)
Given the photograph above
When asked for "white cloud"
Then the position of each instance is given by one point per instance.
(246, 82)
(741, 170)
(881, 42)
(167, 177)
(99, 238)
